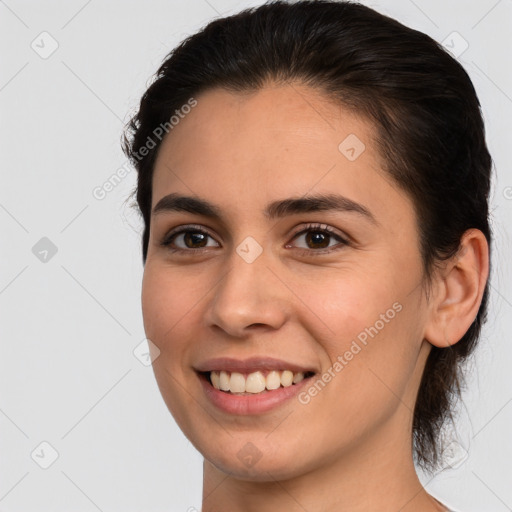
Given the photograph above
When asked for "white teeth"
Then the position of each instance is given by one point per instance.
(297, 377)
(237, 383)
(215, 379)
(223, 381)
(286, 378)
(273, 380)
(255, 382)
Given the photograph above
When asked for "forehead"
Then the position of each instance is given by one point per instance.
(263, 124)
(280, 141)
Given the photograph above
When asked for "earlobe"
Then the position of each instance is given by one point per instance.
(460, 287)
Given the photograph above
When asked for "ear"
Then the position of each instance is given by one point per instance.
(459, 289)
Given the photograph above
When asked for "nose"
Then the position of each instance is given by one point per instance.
(249, 296)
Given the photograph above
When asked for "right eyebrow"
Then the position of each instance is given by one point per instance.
(180, 203)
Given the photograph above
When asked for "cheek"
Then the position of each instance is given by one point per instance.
(369, 324)
(347, 303)
(168, 309)
(167, 302)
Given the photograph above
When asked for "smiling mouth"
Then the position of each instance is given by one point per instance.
(254, 383)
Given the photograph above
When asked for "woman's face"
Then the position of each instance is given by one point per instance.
(262, 287)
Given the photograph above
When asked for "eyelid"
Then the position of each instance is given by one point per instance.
(166, 240)
(185, 227)
(312, 226)
(343, 240)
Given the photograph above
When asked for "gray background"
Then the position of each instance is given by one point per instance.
(71, 321)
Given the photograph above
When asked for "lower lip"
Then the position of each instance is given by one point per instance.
(250, 404)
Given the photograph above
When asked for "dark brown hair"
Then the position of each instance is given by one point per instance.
(429, 126)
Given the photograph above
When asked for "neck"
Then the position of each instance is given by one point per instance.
(379, 474)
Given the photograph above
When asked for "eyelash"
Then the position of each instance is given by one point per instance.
(320, 228)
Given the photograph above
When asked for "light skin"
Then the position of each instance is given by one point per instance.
(349, 448)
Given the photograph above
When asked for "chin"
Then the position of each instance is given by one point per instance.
(254, 464)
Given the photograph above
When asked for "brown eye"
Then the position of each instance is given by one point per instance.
(194, 239)
(188, 240)
(318, 239)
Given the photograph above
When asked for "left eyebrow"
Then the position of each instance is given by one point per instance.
(276, 209)
(317, 203)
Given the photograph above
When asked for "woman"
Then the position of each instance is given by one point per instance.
(313, 180)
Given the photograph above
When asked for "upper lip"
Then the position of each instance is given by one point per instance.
(250, 365)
